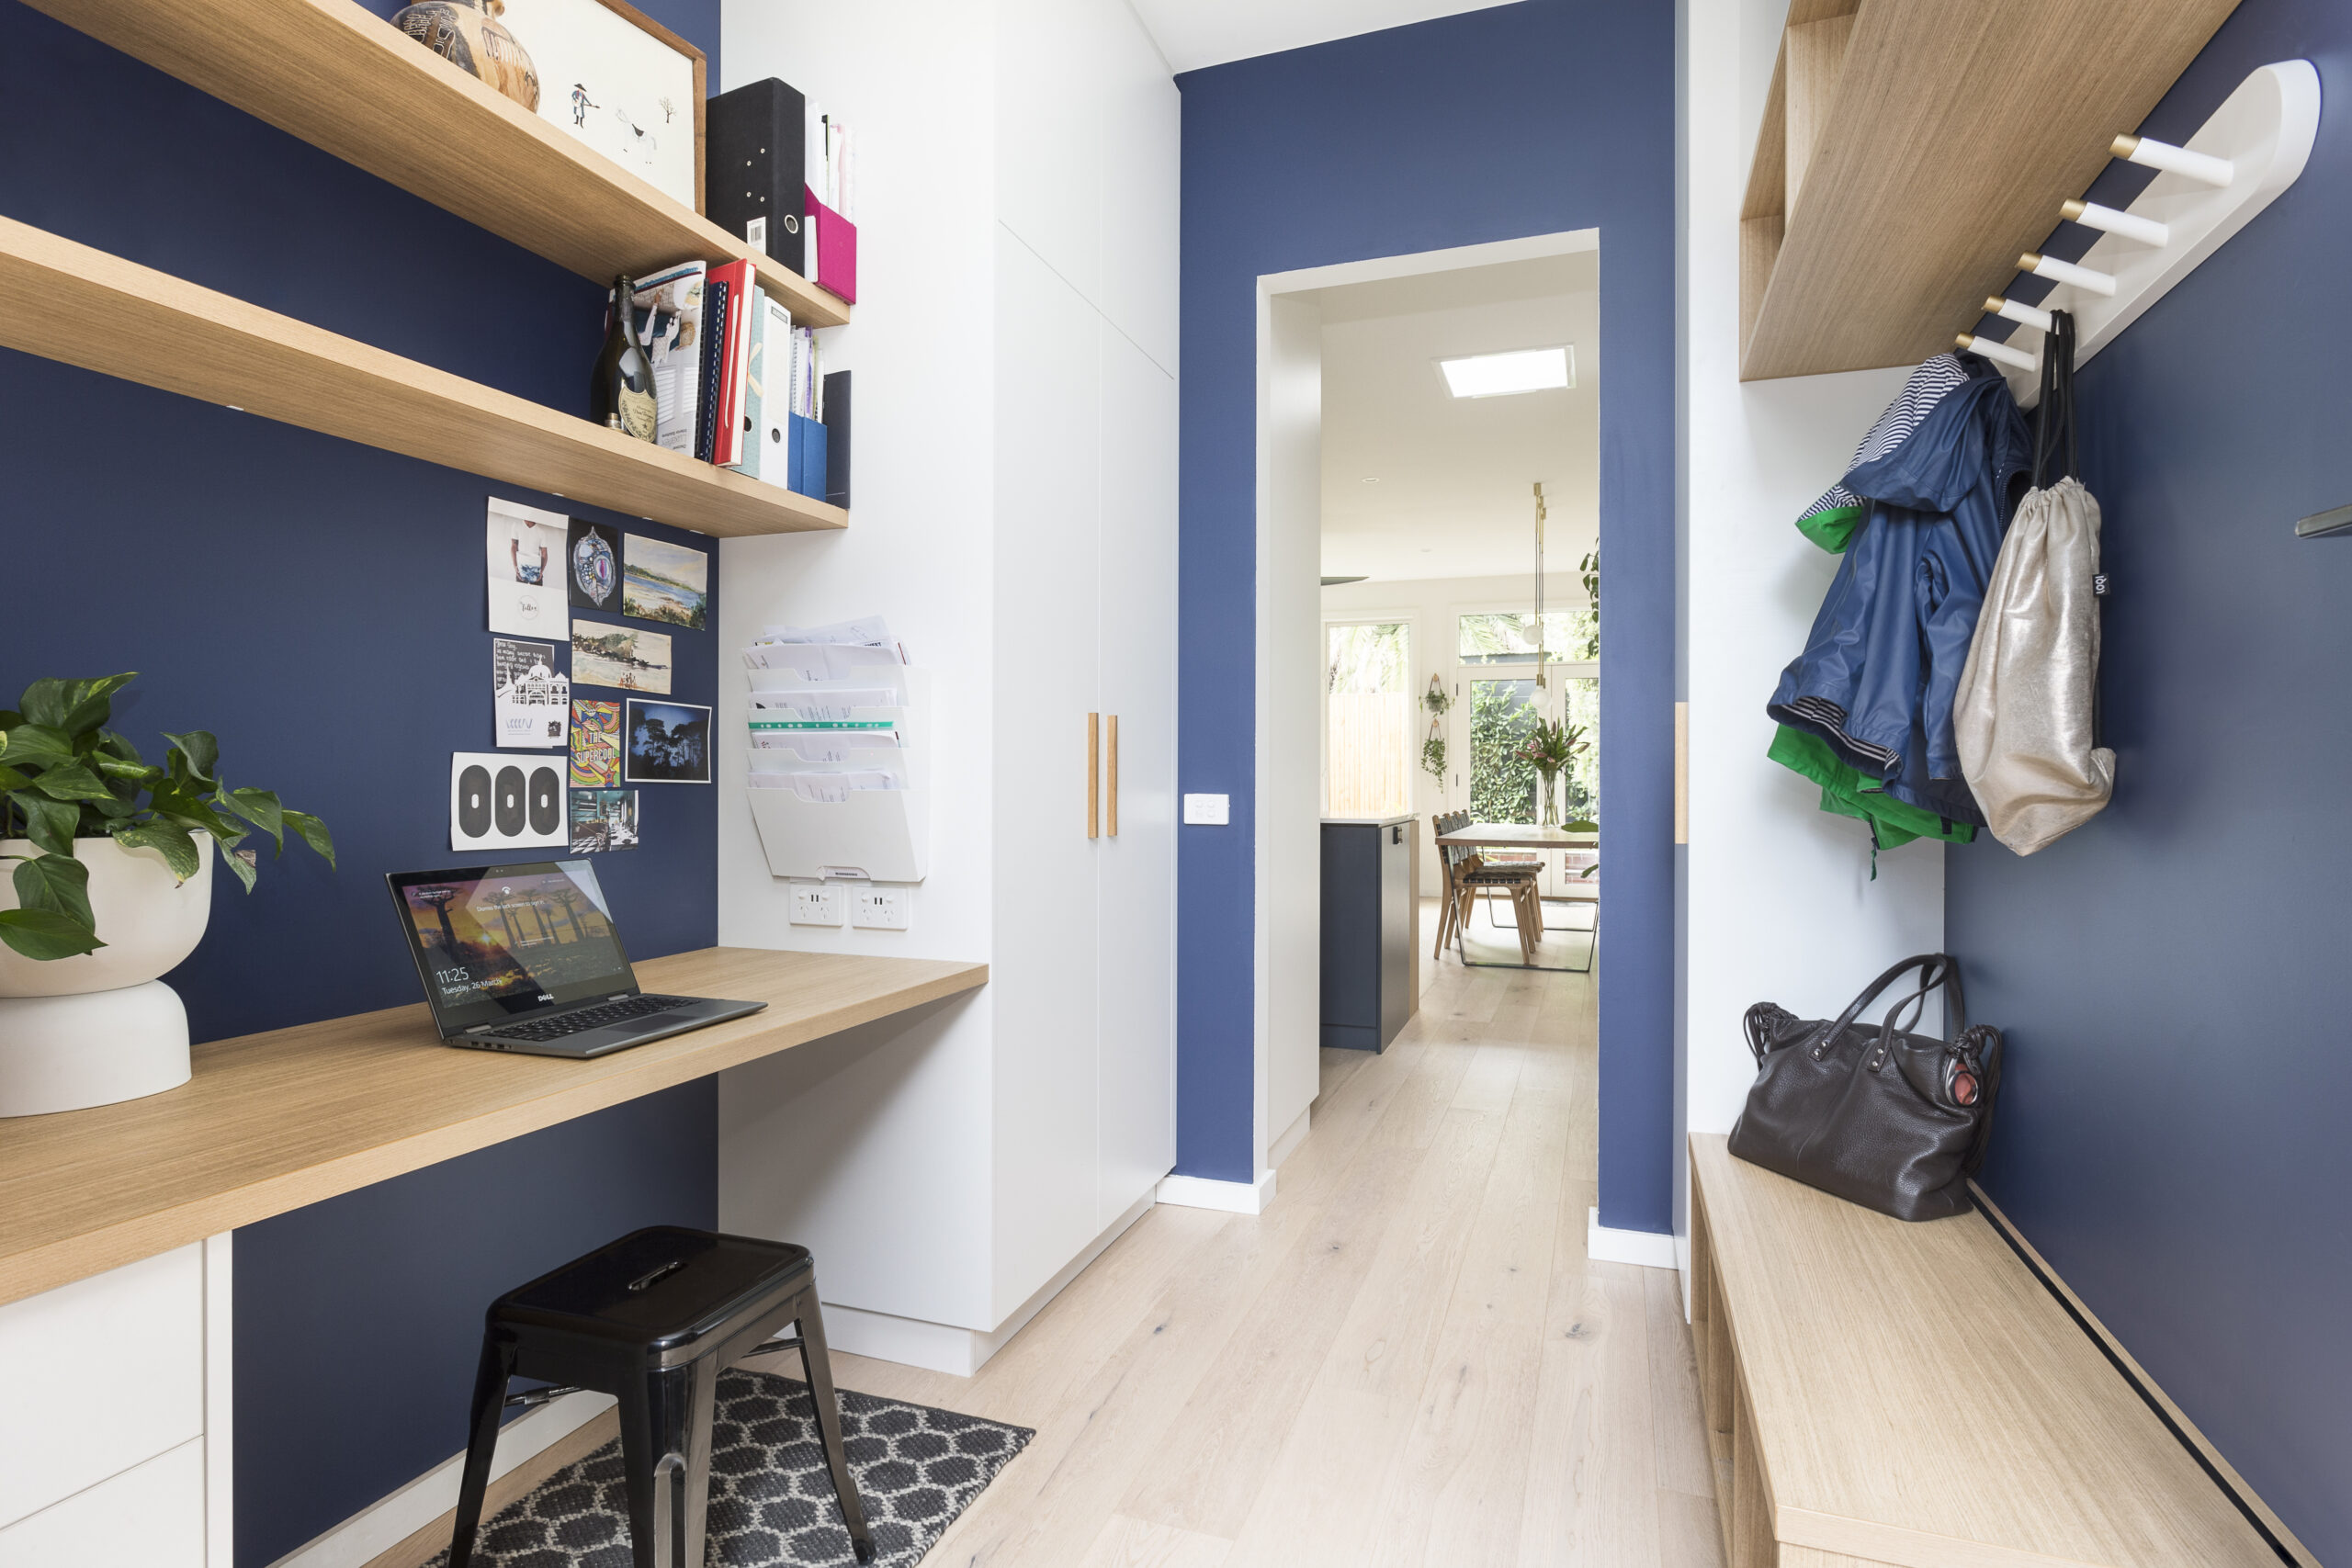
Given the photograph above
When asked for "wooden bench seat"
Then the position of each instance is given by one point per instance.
(1885, 1393)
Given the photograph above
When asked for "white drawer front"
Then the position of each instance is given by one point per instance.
(149, 1517)
(101, 1375)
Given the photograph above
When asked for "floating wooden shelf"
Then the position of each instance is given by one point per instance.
(111, 315)
(1911, 151)
(339, 78)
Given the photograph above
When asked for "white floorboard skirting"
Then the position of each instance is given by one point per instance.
(1651, 1249)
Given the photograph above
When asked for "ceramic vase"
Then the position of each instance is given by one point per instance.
(103, 1027)
(469, 35)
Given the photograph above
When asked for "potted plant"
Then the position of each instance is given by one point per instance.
(112, 887)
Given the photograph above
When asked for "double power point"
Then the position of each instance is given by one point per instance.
(868, 908)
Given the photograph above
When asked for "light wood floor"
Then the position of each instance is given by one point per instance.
(1406, 1359)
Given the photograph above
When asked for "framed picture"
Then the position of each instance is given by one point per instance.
(616, 79)
(665, 742)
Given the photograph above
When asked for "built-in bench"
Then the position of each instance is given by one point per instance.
(1885, 1393)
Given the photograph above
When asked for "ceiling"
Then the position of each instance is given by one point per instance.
(1454, 496)
(1193, 33)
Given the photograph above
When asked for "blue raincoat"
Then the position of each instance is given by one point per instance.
(1878, 676)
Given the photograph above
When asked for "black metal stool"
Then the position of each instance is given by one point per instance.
(654, 1319)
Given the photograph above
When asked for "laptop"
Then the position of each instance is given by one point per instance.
(526, 958)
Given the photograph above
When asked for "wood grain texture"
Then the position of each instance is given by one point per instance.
(116, 317)
(272, 1121)
(1814, 54)
(1911, 1394)
(333, 73)
(1954, 133)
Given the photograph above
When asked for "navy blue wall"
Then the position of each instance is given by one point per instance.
(1517, 120)
(319, 604)
(2172, 975)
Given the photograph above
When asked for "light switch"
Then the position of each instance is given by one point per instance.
(1208, 810)
(816, 905)
(881, 908)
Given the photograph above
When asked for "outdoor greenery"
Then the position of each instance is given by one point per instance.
(64, 775)
(1365, 658)
(1589, 569)
(1502, 780)
(1506, 637)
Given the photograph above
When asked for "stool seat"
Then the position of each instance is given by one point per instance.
(663, 1290)
(652, 1319)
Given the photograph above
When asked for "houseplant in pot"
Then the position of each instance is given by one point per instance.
(111, 886)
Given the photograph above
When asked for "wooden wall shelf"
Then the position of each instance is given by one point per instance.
(1910, 150)
(107, 314)
(337, 75)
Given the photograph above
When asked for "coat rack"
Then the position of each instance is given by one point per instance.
(2254, 147)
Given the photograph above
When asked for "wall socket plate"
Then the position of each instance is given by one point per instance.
(881, 908)
(815, 903)
(1208, 810)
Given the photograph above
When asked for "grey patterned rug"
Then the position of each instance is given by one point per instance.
(770, 1497)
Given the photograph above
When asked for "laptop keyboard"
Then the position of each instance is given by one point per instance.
(546, 1029)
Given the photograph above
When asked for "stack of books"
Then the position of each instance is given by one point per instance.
(735, 383)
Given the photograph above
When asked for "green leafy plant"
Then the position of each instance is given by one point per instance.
(64, 775)
(1433, 755)
(1588, 569)
(1437, 699)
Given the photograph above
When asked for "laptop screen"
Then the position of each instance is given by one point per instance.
(493, 941)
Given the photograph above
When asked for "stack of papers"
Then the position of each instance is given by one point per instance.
(828, 710)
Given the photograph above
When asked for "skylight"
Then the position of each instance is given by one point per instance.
(1500, 374)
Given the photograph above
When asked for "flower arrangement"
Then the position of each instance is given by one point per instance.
(1552, 745)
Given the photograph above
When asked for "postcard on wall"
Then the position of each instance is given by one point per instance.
(527, 548)
(528, 697)
(666, 743)
(620, 656)
(595, 744)
(593, 567)
(501, 802)
(603, 819)
(666, 583)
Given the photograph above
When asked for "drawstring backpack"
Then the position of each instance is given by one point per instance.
(2025, 718)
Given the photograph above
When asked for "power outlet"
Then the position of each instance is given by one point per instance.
(816, 905)
(882, 908)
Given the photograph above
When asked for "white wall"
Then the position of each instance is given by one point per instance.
(1779, 903)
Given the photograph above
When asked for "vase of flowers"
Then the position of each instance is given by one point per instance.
(1552, 745)
(112, 887)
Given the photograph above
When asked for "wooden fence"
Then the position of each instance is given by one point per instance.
(1373, 751)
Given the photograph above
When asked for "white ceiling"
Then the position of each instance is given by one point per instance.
(1193, 33)
(1454, 496)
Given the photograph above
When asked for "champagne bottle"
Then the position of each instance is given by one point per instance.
(620, 392)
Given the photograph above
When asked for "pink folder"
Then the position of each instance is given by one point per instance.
(836, 257)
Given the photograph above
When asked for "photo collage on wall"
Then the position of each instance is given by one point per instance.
(546, 575)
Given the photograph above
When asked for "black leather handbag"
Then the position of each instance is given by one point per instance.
(1893, 1121)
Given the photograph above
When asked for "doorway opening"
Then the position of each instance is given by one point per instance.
(1410, 647)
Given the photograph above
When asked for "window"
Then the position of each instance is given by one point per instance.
(1368, 720)
(1570, 637)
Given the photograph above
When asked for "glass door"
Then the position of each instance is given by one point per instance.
(1500, 703)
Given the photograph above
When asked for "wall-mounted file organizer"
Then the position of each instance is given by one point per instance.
(838, 771)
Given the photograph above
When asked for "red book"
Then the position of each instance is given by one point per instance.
(727, 428)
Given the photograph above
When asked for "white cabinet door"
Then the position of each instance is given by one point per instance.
(1043, 988)
(151, 1516)
(97, 1376)
(1136, 934)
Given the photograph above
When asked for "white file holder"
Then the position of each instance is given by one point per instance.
(879, 835)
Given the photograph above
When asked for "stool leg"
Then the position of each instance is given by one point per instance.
(481, 1445)
(698, 1385)
(649, 1473)
(814, 1362)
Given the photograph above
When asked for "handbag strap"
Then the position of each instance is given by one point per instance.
(1934, 969)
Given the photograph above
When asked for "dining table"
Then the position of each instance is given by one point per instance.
(1517, 836)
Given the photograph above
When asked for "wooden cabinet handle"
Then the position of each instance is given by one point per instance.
(1114, 775)
(1093, 774)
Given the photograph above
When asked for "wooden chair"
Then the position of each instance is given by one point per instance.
(1468, 875)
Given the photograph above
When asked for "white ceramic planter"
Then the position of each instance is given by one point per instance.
(101, 1028)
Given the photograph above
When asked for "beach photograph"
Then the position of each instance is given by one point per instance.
(617, 655)
(663, 581)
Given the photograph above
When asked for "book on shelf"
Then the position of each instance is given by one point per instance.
(668, 316)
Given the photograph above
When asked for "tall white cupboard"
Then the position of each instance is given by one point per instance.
(1014, 360)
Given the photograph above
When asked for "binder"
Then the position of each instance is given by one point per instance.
(714, 334)
(836, 245)
(837, 439)
(808, 442)
(732, 342)
(755, 167)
